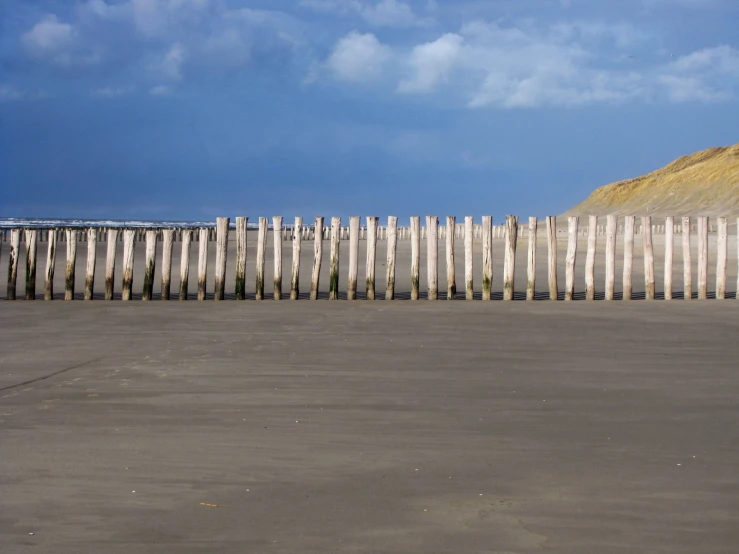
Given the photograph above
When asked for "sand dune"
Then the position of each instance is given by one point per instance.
(704, 183)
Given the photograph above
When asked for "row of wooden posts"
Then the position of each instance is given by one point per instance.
(511, 233)
(308, 232)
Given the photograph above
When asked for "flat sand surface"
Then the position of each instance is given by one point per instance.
(369, 427)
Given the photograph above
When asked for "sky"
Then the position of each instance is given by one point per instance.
(192, 109)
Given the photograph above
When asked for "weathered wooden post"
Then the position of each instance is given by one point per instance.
(222, 225)
(451, 281)
(669, 230)
(721, 252)
(487, 256)
(590, 257)
(432, 257)
(469, 238)
(15, 242)
(392, 244)
(203, 262)
(531, 263)
(351, 283)
(629, 225)
(570, 259)
(702, 258)
(110, 263)
(167, 237)
(71, 235)
(317, 255)
(240, 285)
(648, 258)
(509, 265)
(333, 274)
(185, 263)
(261, 253)
(129, 245)
(610, 256)
(552, 257)
(371, 256)
(415, 256)
(30, 238)
(277, 243)
(90, 268)
(151, 252)
(50, 263)
(295, 274)
(687, 262)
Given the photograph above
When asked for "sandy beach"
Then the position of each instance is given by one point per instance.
(320, 427)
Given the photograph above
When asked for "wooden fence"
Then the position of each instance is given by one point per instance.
(431, 233)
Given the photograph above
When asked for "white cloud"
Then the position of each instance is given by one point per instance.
(155, 17)
(690, 89)
(228, 48)
(58, 43)
(358, 57)
(50, 39)
(170, 67)
(9, 93)
(722, 60)
(113, 92)
(431, 63)
(160, 90)
(382, 13)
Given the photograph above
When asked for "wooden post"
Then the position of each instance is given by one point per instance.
(687, 262)
(721, 252)
(129, 245)
(185, 263)
(552, 257)
(203, 234)
(15, 241)
(531, 265)
(222, 225)
(648, 258)
(487, 256)
(277, 244)
(110, 263)
(50, 263)
(90, 269)
(572, 223)
(432, 257)
(261, 253)
(702, 258)
(351, 284)
(469, 238)
(629, 225)
(31, 240)
(669, 230)
(151, 251)
(240, 286)
(295, 275)
(392, 244)
(371, 256)
(610, 256)
(167, 237)
(333, 276)
(415, 256)
(71, 235)
(509, 265)
(451, 282)
(590, 257)
(317, 255)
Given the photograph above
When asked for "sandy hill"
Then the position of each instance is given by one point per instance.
(704, 183)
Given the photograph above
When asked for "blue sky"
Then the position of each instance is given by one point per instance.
(162, 109)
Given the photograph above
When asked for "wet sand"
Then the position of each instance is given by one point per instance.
(448, 427)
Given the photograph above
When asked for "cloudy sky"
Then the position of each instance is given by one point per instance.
(163, 109)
